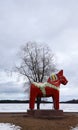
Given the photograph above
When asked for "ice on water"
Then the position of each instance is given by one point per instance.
(23, 107)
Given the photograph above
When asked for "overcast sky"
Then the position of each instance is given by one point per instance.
(54, 22)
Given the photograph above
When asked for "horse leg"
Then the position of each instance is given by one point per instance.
(32, 97)
(32, 102)
(53, 102)
(56, 102)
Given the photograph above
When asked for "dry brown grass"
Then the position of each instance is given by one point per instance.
(30, 123)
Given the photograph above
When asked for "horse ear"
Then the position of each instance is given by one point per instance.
(60, 73)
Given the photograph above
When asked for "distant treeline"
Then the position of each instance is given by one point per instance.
(13, 101)
(20, 101)
(27, 101)
(71, 101)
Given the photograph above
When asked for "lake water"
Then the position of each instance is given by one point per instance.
(23, 107)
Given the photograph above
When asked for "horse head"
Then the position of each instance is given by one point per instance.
(61, 77)
(57, 79)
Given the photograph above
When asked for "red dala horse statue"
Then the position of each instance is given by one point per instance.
(48, 89)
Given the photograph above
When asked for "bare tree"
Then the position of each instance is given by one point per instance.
(37, 62)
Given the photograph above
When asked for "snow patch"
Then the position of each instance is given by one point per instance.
(75, 128)
(8, 126)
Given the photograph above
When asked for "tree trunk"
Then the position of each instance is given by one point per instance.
(38, 102)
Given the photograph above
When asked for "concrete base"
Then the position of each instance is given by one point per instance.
(46, 113)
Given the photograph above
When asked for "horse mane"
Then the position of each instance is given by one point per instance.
(53, 77)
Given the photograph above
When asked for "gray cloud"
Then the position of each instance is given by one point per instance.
(52, 22)
(11, 90)
(9, 87)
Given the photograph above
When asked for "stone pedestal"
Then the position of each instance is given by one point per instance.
(46, 113)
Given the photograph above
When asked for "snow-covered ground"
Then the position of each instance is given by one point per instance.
(75, 128)
(8, 126)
